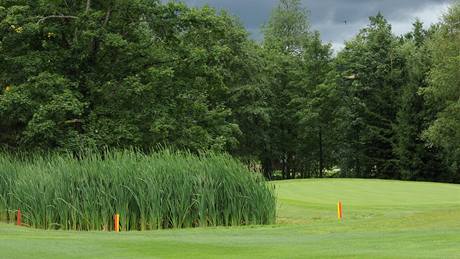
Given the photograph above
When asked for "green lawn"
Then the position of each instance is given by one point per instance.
(383, 219)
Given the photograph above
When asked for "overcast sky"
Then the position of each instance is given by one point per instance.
(328, 16)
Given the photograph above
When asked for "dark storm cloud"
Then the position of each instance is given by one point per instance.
(329, 16)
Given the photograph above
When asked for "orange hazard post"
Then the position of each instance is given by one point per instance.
(116, 222)
(339, 210)
(18, 218)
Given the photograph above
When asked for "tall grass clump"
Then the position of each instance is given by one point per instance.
(161, 190)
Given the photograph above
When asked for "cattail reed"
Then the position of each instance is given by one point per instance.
(156, 191)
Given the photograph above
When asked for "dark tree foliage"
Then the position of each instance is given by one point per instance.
(443, 93)
(370, 70)
(417, 159)
(299, 64)
(123, 73)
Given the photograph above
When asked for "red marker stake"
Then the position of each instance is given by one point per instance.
(18, 218)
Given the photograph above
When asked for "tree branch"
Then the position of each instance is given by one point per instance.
(107, 17)
(57, 17)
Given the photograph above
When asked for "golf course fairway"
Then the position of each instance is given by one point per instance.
(382, 219)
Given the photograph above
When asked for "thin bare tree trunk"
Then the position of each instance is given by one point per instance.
(321, 154)
(107, 17)
(88, 5)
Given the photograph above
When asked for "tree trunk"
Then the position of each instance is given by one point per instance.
(267, 168)
(88, 6)
(288, 168)
(321, 154)
(285, 172)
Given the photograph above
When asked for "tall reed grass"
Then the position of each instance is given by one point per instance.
(161, 190)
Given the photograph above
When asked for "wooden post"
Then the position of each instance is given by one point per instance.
(18, 218)
(116, 222)
(339, 210)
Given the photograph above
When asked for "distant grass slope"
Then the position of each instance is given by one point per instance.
(383, 219)
(304, 201)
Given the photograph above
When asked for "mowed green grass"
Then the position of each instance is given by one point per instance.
(383, 219)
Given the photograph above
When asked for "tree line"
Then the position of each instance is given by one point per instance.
(78, 74)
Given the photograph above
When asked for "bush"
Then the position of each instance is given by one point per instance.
(162, 190)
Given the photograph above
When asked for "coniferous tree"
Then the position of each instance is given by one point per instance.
(370, 78)
(416, 160)
(285, 34)
(298, 65)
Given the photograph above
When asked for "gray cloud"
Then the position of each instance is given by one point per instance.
(329, 16)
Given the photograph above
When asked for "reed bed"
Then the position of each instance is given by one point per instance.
(157, 191)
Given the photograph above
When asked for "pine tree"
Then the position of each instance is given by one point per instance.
(370, 80)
